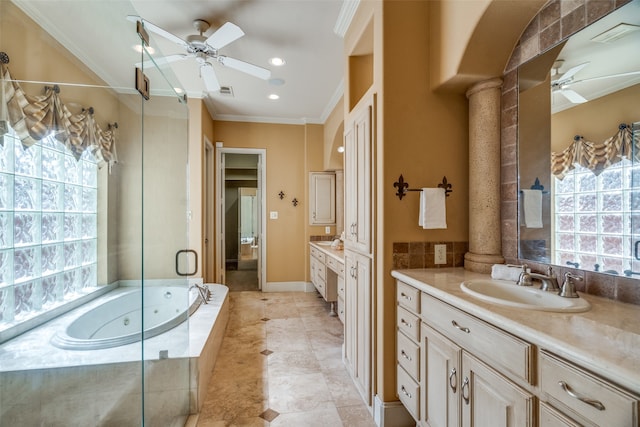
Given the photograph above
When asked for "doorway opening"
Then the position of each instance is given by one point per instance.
(241, 219)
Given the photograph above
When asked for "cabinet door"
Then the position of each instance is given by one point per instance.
(441, 374)
(357, 144)
(358, 321)
(322, 198)
(489, 399)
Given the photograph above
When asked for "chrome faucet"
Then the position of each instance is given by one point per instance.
(568, 289)
(525, 277)
(549, 281)
(204, 291)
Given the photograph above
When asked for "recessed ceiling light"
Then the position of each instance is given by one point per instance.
(273, 96)
(277, 62)
(138, 48)
(178, 90)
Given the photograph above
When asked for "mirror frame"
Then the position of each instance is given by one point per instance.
(535, 41)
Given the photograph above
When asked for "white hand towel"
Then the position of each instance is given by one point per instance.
(505, 272)
(532, 202)
(433, 212)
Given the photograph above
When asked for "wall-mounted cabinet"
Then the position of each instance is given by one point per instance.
(322, 198)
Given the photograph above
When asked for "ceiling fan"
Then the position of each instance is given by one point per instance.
(205, 50)
(562, 83)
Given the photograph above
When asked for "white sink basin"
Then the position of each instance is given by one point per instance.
(323, 243)
(507, 293)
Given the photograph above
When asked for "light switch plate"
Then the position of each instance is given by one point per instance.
(273, 215)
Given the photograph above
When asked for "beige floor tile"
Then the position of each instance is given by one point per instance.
(303, 379)
(297, 393)
(356, 416)
(326, 415)
(282, 364)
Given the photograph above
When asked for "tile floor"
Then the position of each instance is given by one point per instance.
(280, 365)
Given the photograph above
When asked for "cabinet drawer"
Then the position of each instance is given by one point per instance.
(318, 254)
(479, 337)
(321, 287)
(409, 324)
(409, 393)
(336, 266)
(551, 417)
(584, 395)
(341, 309)
(408, 297)
(408, 356)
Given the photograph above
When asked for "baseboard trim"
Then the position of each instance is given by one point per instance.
(391, 414)
(288, 287)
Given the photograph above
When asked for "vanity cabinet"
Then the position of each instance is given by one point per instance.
(458, 387)
(322, 198)
(358, 328)
(473, 373)
(327, 275)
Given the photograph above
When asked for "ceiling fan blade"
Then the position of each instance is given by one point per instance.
(224, 35)
(572, 71)
(245, 67)
(159, 31)
(573, 96)
(630, 73)
(159, 62)
(209, 77)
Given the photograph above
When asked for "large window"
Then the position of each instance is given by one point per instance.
(596, 218)
(48, 227)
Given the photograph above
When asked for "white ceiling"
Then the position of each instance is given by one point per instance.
(299, 31)
(620, 56)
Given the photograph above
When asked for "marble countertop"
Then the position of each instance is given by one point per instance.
(327, 249)
(604, 340)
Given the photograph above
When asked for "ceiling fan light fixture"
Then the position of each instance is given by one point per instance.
(615, 33)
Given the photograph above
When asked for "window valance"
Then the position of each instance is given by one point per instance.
(596, 156)
(35, 117)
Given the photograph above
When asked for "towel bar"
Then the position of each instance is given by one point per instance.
(403, 187)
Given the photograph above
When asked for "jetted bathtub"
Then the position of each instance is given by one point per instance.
(119, 320)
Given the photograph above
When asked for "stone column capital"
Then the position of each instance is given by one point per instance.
(493, 83)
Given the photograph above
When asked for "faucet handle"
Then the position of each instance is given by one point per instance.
(568, 289)
(525, 277)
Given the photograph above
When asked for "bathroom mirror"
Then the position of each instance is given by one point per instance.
(587, 85)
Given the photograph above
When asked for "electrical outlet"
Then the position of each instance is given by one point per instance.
(327, 230)
(440, 252)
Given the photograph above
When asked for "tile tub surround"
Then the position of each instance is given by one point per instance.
(555, 22)
(604, 340)
(106, 383)
(280, 364)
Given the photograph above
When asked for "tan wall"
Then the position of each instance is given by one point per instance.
(286, 170)
(595, 120)
(333, 138)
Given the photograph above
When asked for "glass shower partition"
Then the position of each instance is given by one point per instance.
(93, 224)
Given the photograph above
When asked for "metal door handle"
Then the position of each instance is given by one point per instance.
(465, 385)
(463, 329)
(453, 379)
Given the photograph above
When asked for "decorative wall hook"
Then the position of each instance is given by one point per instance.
(295, 202)
(281, 195)
(403, 187)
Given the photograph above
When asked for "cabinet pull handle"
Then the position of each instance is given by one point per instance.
(453, 379)
(404, 322)
(592, 402)
(405, 355)
(463, 329)
(406, 393)
(465, 384)
(405, 296)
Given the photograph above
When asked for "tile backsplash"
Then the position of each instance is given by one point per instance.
(422, 254)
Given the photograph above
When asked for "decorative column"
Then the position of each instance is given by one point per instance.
(485, 242)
